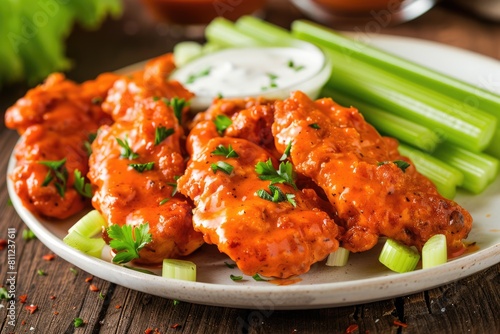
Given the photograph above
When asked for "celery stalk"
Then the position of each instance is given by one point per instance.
(464, 126)
(179, 269)
(398, 257)
(479, 169)
(338, 258)
(263, 31)
(435, 251)
(223, 32)
(446, 178)
(389, 124)
(457, 89)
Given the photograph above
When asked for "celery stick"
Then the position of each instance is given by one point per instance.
(446, 178)
(389, 124)
(179, 269)
(479, 169)
(223, 32)
(338, 258)
(494, 148)
(398, 257)
(434, 252)
(431, 167)
(416, 73)
(464, 126)
(265, 32)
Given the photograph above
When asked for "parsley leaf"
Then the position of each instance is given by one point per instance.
(177, 105)
(276, 195)
(236, 278)
(195, 76)
(162, 133)
(126, 242)
(222, 122)
(88, 143)
(143, 167)
(4, 294)
(28, 234)
(57, 170)
(163, 201)
(258, 278)
(127, 152)
(314, 126)
(284, 174)
(295, 67)
(82, 187)
(227, 152)
(400, 163)
(174, 186)
(222, 166)
(286, 154)
(77, 322)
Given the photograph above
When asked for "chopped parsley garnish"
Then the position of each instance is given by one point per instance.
(127, 242)
(295, 67)
(400, 163)
(163, 201)
(177, 105)
(41, 272)
(73, 271)
(162, 133)
(28, 235)
(143, 167)
(101, 295)
(272, 81)
(174, 186)
(77, 322)
(276, 195)
(96, 100)
(127, 152)
(82, 187)
(88, 143)
(4, 294)
(176, 302)
(222, 166)
(57, 173)
(227, 152)
(236, 278)
(314, 126)
(195, 76)
(284, 174)
(286, 154)
(258, 278)
(222, 122)
(230, 265)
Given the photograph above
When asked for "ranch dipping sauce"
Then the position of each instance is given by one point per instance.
(271, 72)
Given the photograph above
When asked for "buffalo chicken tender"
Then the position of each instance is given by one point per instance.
(56, 120)
(277, 239)
(360, 174)
(136, 186)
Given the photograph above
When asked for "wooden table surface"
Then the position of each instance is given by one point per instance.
(470, 305)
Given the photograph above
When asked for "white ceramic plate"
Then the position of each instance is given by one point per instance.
(363, 280)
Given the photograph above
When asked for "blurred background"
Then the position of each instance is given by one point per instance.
(86, 37)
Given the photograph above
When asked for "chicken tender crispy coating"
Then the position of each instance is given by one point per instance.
(356, 168)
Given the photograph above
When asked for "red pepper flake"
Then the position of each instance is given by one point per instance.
(399, 323)
(3, 244)
(93, 288)
(23, 298)
(351, 329)
(118, 307)
(55, 313)
(32, 308)
(148, 331)
(89, 279)
(48, 257)
(175, 326)
(23, 322)
(52, 297)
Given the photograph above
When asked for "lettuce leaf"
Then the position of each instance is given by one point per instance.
(33, 34)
